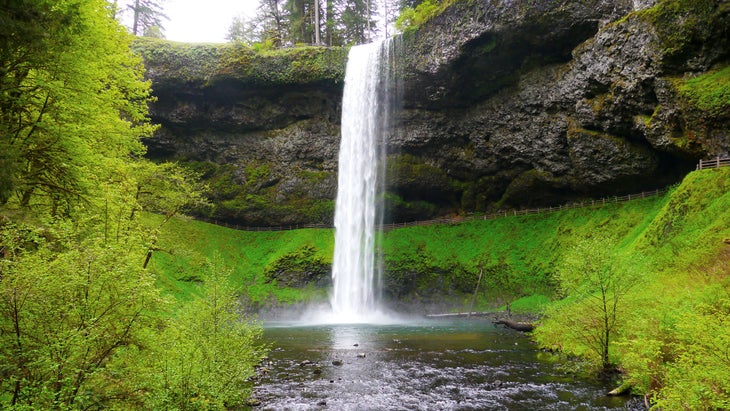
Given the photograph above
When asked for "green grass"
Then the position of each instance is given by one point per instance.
(709, 92)
(186, 244)
(517, 255)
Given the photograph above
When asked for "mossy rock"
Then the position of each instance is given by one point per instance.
(299, 269)
(204, 63)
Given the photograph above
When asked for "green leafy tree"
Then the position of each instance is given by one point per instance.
(166, 189)
(68, 306)
(207, 351)
(595, 282)
(73, 102)
(79, 314)
(301, 15)
(357, 21)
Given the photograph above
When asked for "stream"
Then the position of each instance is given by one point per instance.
(465, 364)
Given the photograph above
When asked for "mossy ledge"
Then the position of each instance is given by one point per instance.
(207, 63)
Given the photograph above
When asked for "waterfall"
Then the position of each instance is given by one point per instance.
(365, 115)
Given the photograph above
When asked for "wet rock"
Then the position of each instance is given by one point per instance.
(322, 403)
(356, 345)
(253, 402)
(361, 355)
(305, 363)
(337, 362)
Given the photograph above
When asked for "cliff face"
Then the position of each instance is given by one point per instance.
(261, 127)
(528, 103)
(505, 103)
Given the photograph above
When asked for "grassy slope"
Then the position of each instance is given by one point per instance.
(525, 247)
(186, 244)
(523, 244)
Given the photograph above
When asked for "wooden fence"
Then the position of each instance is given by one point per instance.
(714, 163)
(703, 164)
(456, 220)
(508, 213)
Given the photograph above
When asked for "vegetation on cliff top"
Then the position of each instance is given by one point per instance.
(683, 24)
(411, 18)
(206, 63)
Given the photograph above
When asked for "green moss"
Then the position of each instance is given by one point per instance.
(299, 268)
(411, 18)
(709, 92)
(681, 24)
(488, 47)
(407, 170)
(405, 210)
(207, 63)
(252, 194)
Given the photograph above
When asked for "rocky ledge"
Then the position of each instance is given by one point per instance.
(516, 103)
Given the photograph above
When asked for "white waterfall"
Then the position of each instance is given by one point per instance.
(365, 110)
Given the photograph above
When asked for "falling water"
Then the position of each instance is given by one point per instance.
(365, 115)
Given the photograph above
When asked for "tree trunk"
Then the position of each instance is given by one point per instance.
(317, 40)
(524, 327)
(135, 24)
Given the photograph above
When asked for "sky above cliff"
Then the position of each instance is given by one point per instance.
(204, 21)
(196, 21)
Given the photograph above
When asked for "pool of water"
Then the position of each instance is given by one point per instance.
(424, 365)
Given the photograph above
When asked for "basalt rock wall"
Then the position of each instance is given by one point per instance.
(261, 127)
(516, 103)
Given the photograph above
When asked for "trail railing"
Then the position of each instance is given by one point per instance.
(713, 163)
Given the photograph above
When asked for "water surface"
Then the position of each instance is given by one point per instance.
(426, 365)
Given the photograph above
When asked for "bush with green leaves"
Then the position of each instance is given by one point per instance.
(596, 283)
(205, 355)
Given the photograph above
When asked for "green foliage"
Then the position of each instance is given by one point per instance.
(412, 18)
(203, 358)
(709, 92)
(254, 253)
(73, 103)
(255, 65)
(670, 333)
(532, 304)
(81, 317)
(669, 342)
(69, 302)
(597, 281)
(699, 375)
(183, 61)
